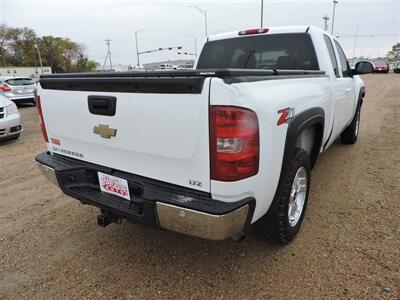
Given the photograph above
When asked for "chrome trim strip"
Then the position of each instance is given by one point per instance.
(48, 172)
(200, 224)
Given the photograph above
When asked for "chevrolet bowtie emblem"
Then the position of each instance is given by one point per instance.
(104, 131)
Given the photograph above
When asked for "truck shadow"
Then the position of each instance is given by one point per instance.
(178, 261)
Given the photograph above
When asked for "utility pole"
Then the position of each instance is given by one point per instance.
(205, 22)
(355, 41)
(40, 57)
(204, 13)
(34, 60)
(326, 19)
(108, 55)
(262, 13)
(137, 47)
(333, 14)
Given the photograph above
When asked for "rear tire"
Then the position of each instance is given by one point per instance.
(350, 134)
(282, 222)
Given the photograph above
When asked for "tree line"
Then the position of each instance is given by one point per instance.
(394, 54)
(21, 47)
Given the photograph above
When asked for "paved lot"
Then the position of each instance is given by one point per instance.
(349, 245)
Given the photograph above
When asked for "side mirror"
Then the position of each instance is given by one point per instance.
(363, 67)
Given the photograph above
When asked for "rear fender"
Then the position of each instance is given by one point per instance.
(310, 117)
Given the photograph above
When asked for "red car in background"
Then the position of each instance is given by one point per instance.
(380, 66)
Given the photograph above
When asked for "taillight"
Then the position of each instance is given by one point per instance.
(42, 125)
(234, 143)
(253, 31)
(5, 88)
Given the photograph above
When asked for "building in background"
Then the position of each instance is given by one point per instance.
(177, 64)
(160, 65)
(116, 68)
(31, 72)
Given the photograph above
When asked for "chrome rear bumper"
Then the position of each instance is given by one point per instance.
(48, 173)
(200, 224)
(212, 226)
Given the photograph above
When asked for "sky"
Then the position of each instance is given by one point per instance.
(177, 23)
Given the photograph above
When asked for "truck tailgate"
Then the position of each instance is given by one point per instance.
(159, 134)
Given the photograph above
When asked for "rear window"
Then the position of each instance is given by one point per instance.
(279, 51)
(20, 81)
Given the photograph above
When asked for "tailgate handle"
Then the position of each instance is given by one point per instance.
(102, 105)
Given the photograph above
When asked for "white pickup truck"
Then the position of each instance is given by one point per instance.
(210, 151)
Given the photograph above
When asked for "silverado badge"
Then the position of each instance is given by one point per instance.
(104, 131)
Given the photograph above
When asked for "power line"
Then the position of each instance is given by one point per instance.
(366, 35)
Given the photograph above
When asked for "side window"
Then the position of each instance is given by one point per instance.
(343, 61)
(331, 54)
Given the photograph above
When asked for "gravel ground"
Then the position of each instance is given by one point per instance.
(348, 248)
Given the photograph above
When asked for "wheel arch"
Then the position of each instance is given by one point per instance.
(315, 118)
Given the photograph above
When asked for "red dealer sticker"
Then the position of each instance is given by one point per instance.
(114, 185)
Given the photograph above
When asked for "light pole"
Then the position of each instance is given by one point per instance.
(137, 47)
(204, 13)
(333, 14)
(262, 13)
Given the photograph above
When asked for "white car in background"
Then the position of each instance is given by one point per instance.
(18, 89)
(167, 67)
(10, 120)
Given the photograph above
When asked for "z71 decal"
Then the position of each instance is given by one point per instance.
(286, 115)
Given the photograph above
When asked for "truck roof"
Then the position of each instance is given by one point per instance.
(271, 30)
